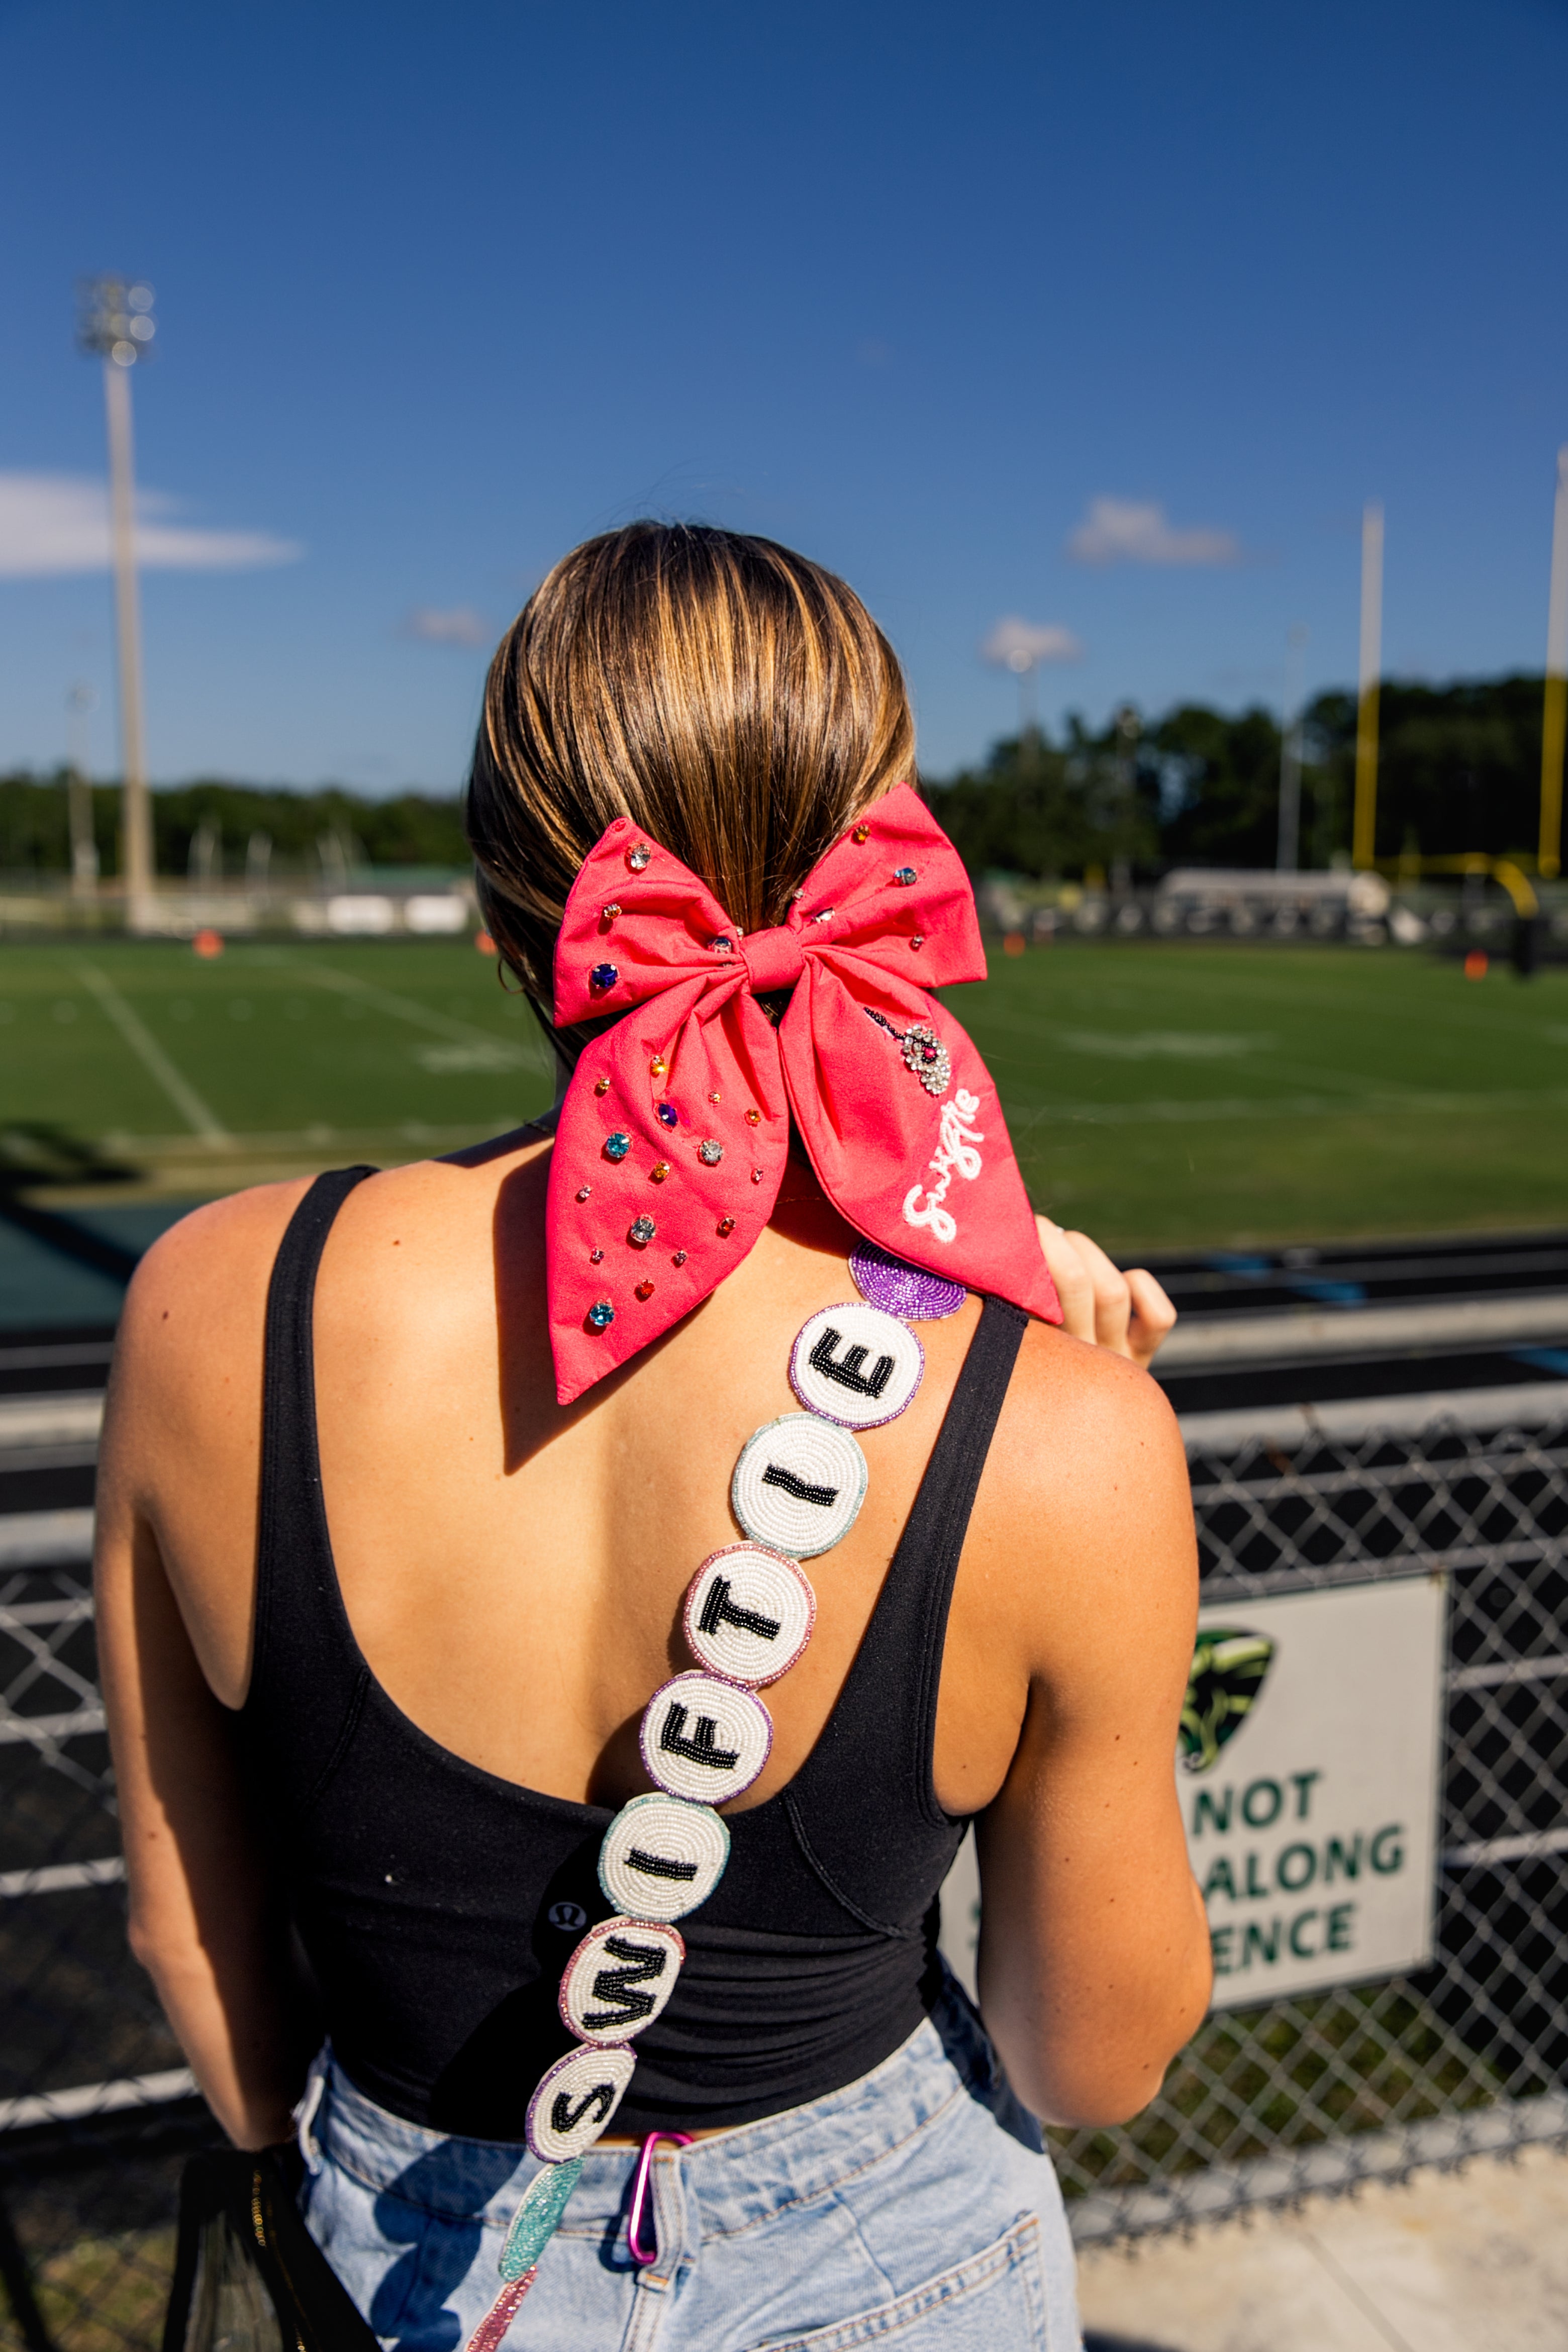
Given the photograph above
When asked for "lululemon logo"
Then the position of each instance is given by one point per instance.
(567, 1915)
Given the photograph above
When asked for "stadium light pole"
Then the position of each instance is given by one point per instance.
(1554, 716)
(80, 702)
(1363, 828)
(117, 325)
(1287, 856)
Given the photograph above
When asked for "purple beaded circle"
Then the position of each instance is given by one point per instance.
(907, 1291)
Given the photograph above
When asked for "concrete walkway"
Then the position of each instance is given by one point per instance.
(1474, 2260)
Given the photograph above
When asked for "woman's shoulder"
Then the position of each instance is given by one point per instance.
(1085, 1480)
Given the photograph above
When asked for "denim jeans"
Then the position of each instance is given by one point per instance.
(914, 2206)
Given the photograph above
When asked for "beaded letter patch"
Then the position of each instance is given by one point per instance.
(662, 1857)
(856, 1365)
(575, 2101)
(704, 1738)
(619, 1977)
(748, 1613)
(799, 1485)
(705, 1735)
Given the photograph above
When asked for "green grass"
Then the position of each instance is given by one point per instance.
(1164, 1095)
(1178, 1095)
(276, 1053)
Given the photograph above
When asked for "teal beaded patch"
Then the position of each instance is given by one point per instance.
(535, 2222)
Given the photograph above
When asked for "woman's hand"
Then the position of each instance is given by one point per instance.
(1128, 1313)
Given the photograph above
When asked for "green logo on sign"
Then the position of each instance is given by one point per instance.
(1229, 1669)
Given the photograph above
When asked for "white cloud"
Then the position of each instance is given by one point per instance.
(55, 523)
(457, 625)
(1126, 530)
(1018, 645)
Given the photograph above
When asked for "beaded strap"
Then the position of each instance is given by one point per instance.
(706, 1734)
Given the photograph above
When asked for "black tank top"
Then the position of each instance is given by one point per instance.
(439, 1904)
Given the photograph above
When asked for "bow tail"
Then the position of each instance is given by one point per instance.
(931, 1177)
(669, 1154)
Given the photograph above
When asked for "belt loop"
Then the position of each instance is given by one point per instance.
(308, 2107)
(643, 2255)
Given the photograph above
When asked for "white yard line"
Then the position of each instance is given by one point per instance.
(421, 1016)
(153, 1060)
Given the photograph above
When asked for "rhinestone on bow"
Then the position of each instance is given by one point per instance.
(711, 1151)
(603, 976)
(641, 1231)
(601, 1315)
(616, 1146)
(638, 857)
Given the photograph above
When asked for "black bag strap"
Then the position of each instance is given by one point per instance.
(254, 2195)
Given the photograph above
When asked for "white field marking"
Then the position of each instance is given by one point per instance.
(1364, 1105)
(1171, 1045)
(503, 1053)
(154, 1059)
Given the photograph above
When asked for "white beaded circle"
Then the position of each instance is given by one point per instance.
(704, 1738)
(798, 1484)
(662, 1857)
(574, 2100)
(856, 1365)
(748, 1613)
(619, 1977)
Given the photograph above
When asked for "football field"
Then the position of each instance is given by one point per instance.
(1164, 1095)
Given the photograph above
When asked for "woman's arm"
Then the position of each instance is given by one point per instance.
(206, 1921)
(1094, 1955)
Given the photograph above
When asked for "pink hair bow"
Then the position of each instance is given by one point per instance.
(675, 1129)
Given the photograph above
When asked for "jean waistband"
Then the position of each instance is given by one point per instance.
(738, 2177)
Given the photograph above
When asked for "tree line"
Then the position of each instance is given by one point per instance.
(1459, 769)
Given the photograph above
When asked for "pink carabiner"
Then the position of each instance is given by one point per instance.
(642, 2256)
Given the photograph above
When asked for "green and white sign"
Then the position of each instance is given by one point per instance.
(1308, 1777)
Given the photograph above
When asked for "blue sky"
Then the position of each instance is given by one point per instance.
(443, 290)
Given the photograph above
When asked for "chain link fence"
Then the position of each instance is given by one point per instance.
(1469, 2055)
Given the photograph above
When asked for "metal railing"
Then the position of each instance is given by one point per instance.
(1315, 2091)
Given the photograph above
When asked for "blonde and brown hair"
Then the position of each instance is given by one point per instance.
(733, 698)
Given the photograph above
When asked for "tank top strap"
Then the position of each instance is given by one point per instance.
(881, 1735)
(305, 1658)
